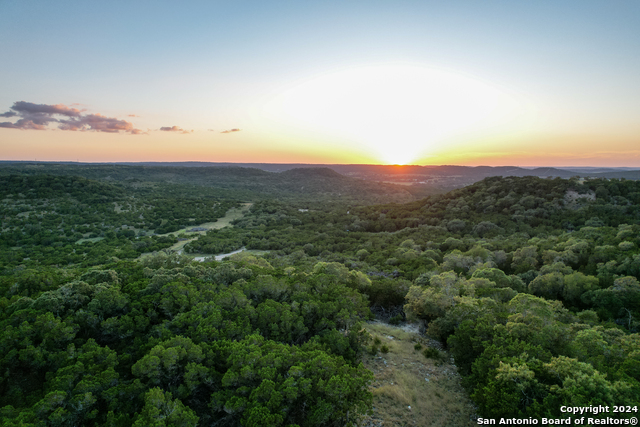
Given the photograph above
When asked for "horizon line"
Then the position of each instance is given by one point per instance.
(315, 164)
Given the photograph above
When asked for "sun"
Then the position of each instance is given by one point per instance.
(396, 113)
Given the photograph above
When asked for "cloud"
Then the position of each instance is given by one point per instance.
(174, 129)
(231, 130)
(97, 123)
(39, 116)
(211, 130)
(23, 124)
(29, 108)
(132, 115)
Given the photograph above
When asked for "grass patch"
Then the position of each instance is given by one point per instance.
(388, 330)
(395, 393)
(405, 378)
(90, 240)
(231, 215)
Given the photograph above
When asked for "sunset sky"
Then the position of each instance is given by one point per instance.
(532, 83)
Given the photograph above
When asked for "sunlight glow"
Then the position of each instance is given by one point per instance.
(397, 113)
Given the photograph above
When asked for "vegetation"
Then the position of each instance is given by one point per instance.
(411, 390)
(318, 183)
(53, 220)
(240, 342)
(530, 284)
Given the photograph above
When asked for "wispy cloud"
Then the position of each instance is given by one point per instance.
(132, 115)
(175, 129)
(231, 130)
(39, 116)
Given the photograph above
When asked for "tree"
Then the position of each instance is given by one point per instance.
(160, 410)
(579, 384)
(435, 299)
(525, 259)
(575, 285)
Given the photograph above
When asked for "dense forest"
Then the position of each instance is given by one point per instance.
(53, 220)
(233, 182)
(530, 284)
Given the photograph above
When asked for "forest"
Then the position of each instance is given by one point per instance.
(530, 284)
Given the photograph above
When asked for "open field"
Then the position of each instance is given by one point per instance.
(411, 390)
(231, 215)
(90, 239)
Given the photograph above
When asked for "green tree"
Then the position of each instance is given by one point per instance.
(160, 410)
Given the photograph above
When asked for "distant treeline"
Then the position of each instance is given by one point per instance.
(232, 182)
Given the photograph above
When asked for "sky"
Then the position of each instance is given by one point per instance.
(535, 83)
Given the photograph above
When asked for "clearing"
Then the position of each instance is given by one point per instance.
(231, 215)
(89, 239)
(411, 390)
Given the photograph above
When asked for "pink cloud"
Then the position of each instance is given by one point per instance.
(39, 116)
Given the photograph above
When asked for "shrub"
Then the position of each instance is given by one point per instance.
(434, 353)
(395, 320)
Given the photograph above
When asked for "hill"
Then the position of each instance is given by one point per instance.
(419, 181)
(232, 182)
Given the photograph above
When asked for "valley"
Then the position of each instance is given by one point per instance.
(508, 298)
